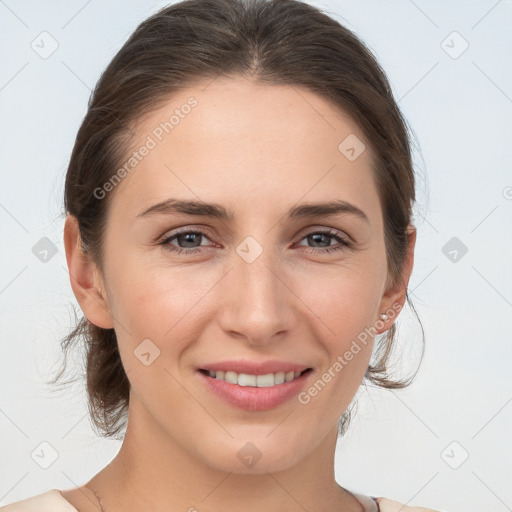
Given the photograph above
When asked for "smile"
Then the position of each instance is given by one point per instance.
(259, 381)
(252, 392)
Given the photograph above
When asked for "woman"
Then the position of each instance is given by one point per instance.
(238, 233)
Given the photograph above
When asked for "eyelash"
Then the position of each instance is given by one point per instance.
(345, 243)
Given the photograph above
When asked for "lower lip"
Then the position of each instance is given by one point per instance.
(252, 398)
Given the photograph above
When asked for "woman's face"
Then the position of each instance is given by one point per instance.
(258, 285)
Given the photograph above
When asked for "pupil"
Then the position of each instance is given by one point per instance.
(191, 237)
(315, 238)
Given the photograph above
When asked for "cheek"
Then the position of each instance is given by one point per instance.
(154, 311)
(154, 300)
(344, 299)
(344, 302)
(345, 310)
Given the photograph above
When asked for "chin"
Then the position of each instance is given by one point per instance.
(254, 455)
(267, 464)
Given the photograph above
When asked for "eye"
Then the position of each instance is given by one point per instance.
(324, 238)
(190, 240)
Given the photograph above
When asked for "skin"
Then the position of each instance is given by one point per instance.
(257, 150)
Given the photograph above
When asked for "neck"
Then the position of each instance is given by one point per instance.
(152, 471)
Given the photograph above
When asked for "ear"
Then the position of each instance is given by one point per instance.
(394, 297)
(85, 278)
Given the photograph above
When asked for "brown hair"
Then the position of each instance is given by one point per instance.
(268, 41)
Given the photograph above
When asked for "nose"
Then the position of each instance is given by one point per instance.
(258, 302)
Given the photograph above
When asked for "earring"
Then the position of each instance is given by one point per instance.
(384, 317)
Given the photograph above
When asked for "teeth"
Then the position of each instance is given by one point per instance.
(260, 381)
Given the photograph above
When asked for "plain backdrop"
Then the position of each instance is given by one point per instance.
(445, 442)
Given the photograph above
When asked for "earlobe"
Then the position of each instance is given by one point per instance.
(85, 279)
(394, 297)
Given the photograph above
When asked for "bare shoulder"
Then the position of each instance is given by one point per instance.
(387, 505)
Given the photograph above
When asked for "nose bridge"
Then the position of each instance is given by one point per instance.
(257, 277)
(257, 303)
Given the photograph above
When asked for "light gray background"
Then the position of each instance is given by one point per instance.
(400, 443)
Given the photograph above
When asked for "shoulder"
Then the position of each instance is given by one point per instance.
(49, 501)
(387, 505)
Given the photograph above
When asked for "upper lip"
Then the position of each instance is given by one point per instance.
(255, 367)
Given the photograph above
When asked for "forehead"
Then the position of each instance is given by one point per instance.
(231, 140)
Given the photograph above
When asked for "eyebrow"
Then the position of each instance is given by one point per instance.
(213, 210)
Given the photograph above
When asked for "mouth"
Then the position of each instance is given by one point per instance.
(254, 391)
(252, 380)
